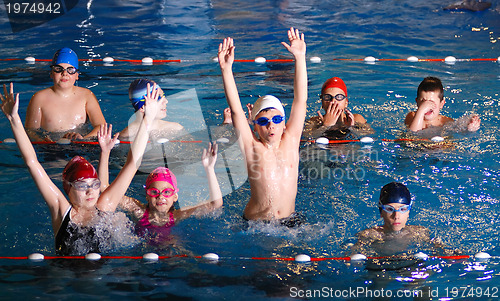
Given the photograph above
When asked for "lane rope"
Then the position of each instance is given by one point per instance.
(315, 59)
(481, 256)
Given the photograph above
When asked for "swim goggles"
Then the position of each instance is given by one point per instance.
(328, 97)
(59, 69)
(389, 209)
(83, 186)
(263, 121)
(155, 192)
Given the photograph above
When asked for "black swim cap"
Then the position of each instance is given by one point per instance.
(395, 193)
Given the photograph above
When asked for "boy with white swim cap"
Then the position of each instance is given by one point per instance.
(159, 128)
(271, 153)
(430, 100)
(63, 107)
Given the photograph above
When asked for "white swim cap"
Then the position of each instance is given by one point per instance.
(267, 102)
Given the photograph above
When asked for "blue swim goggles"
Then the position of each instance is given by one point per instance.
(389, 209)
(263, 121)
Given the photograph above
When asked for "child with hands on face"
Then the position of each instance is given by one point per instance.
(337, 116)
(430, 100)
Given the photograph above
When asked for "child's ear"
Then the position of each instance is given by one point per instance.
(441, 104)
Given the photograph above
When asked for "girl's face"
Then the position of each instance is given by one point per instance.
(85, 193)
(161, 196)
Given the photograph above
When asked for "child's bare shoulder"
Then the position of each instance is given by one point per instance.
(370, 232)
(409, 117)
(358, 118)
(42, 95)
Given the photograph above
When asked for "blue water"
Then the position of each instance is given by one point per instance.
(455, 189)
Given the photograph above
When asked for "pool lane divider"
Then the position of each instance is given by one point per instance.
(64, 141)
(320, 140)
(108, 61)
(300, 258)
(368, 140)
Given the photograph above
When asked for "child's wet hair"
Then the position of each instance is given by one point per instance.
(431, 83)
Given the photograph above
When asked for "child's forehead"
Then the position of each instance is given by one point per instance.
(160, 184)
(268, 111)
(429, 94)
(65, 65)
(334, 91)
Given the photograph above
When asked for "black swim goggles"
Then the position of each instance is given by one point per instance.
(389, 209)
(263, 121)
(83, 186)
(329, 97)
(59, 69)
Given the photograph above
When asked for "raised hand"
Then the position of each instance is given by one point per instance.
(226, 53)
(209, 156)
(104, 137)
(151, 103)
(297, 45)
(10, 105)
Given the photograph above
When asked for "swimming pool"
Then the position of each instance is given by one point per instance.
(455, 189)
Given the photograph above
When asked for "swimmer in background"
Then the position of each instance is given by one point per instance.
(395, 236)
(271, 153)
(338, 118)
(63, 107)
(79, 221)
(430, 100)
(155, 219)
(159, 128)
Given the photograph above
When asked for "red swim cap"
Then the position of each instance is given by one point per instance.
(334, 82)
(77, 169)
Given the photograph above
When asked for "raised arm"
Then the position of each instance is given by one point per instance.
(208, 159)
(226, 59)
(55, 199)
(297, 47)
(106, 142)
(109, 199)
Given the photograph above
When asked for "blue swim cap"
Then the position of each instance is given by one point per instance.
(395, 193)
(137, 91)
(65, 55)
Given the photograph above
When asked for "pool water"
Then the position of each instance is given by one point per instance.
(455, 187)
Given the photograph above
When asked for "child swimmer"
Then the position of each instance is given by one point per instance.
(78, 220)
(154, 219)
(160, 128)
(430, 100)
(271, 153)
(394, 236)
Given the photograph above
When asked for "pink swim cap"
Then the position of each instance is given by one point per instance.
(162, 174)
(77, 169)
(334, 82)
